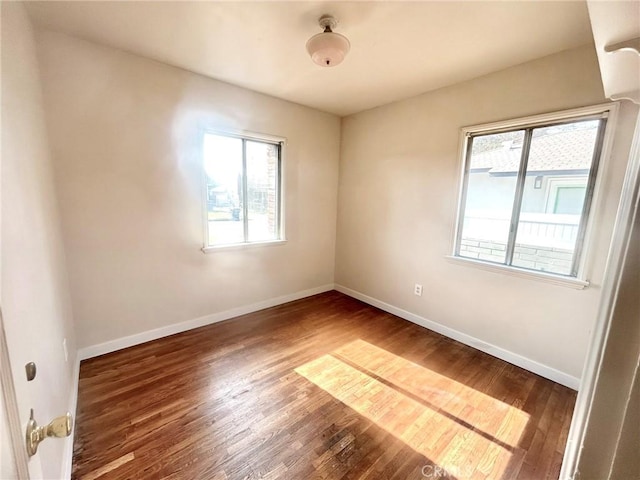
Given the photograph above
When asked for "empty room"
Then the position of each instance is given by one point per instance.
(320, 240)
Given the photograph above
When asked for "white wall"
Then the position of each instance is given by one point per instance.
(35, 297)
(126, 139)
(399, 174)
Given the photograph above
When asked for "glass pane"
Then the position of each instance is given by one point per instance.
(262, 191)
(570, 200)
(553, 197)
(223, 168)
(491, 186)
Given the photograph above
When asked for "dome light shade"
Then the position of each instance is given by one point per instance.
(328, 49)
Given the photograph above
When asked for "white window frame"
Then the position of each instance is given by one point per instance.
(281, 142)
(580, 281)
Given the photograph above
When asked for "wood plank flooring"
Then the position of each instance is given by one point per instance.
(321, 388)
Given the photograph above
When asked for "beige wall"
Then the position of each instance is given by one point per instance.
(126, 137)
(35, 296)
(399, 173)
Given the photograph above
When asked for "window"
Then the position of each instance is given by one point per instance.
(243, 190)
(528, 190)
(566, 195)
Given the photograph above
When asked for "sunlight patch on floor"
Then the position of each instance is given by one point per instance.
(460, 429)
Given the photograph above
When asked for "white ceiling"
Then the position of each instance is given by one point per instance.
(398, 49)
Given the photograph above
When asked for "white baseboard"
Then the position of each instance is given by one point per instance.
(67, 460)
(129, 341)
(526, 363)
(138, 338)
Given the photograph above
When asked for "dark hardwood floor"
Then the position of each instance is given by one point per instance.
(321, 388)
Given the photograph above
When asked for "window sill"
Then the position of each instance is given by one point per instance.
(523, 273)
(242, 246)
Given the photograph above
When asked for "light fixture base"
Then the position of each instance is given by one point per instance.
(327, 21)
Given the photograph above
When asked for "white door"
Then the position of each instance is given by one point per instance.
(8, 467)
(13, 461)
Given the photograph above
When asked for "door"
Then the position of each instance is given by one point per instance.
(8, 467)
(13, 461)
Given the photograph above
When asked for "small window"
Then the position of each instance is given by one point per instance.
(566, 195)
(527, 193)
(243, 190)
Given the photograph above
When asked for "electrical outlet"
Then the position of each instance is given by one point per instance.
(66, 352)
(418, 290)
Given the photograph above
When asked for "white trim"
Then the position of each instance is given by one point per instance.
(621, 238)
(240, 246)
(138, 338)
(248, 134)
(67, 459)
(547, 277)
(596, 204)
(603, 110)
(518, 360)
(598, 111)
(244, 135)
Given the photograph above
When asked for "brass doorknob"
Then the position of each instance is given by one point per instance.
(58, 427)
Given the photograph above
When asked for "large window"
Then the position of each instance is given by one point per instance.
(527, 192)
(243, 190)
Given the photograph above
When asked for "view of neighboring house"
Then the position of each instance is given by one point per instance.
(242, 178)
(553, 197)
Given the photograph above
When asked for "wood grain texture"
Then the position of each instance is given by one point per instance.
(321, 388)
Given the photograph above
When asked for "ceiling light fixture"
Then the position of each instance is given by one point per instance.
(328, 49)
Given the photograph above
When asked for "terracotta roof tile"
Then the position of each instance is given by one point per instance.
(569, 150)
